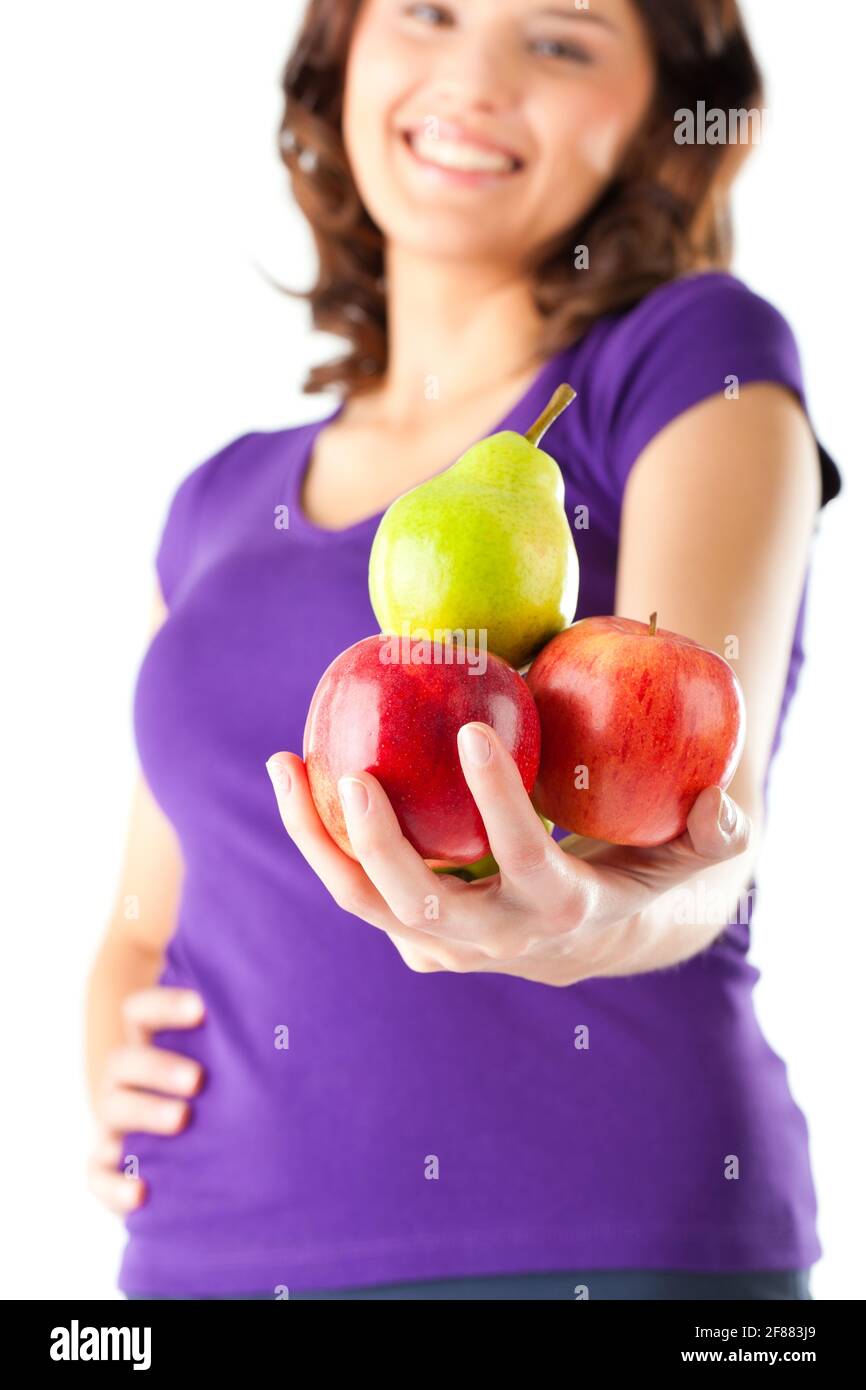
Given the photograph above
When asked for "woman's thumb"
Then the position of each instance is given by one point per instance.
(717, 827)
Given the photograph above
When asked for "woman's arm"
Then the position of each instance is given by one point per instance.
(717, 520)
(142, 921)
(131, 954)
(125, 1072)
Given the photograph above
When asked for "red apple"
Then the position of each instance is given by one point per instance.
(635, 722)
(379, 710)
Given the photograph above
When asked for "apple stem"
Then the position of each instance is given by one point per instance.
(652, 624)
(562, 397)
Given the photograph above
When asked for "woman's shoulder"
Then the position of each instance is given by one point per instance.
(198, 478)
(697, 336)
(236, 462)
(705, 311)
(720, 288)
(215, 488)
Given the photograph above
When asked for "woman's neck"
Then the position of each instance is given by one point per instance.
(455, 331)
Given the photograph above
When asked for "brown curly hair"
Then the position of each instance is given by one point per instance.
(665, 214)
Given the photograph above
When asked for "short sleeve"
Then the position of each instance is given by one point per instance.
(691, 339)
(177, 547)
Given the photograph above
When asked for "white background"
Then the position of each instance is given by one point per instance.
(142, 192)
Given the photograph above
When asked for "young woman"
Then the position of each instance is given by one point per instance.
(302, 1084)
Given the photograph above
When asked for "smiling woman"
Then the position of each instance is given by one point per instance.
(493, 1088)
(581, 103)
(578, 108)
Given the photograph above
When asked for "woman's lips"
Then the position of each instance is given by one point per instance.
(460, 159)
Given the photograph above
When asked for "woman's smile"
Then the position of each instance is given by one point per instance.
(447, 152)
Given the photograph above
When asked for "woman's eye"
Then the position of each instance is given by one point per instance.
(553, 48)
(428, 14)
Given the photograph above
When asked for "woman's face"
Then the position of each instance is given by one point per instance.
(481, 129)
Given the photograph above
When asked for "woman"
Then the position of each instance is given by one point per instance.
(499, 205)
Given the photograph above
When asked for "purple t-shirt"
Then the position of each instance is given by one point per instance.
(335, 1076)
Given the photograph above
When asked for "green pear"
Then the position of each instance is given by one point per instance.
(484, 546)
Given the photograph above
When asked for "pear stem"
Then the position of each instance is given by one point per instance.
(562, 397)
(652, 625)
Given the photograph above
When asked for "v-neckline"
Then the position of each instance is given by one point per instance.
(301, 523)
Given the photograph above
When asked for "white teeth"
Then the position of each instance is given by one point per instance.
(458, 154)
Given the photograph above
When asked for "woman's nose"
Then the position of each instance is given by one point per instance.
(475, 75)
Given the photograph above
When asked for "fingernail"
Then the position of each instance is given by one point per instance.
(727, 815)
(173, 1112)
(279, 774)
(191, 1007)
(353, 795)
(476, 745)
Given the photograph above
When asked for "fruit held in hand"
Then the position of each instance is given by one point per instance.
(484, 546)
(378, 709)
(635, 722)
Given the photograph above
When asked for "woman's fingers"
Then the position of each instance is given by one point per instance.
(125, 1110)
(344, 879)
(149, 1011)
(434, 914)
(117, 1191)
(466, 920)
(410, 888)
(135, 1073)
(518, 841)
(392, 889)
(154, 1069)
(626, 880)
(107, 1151)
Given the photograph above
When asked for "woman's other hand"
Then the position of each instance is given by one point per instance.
(145, 1088)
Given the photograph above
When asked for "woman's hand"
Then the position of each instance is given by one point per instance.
(554, 915)
(134, 1072)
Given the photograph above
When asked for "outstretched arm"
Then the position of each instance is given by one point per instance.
(717, 520)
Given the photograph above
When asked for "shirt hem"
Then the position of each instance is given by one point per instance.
(143, 1272)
